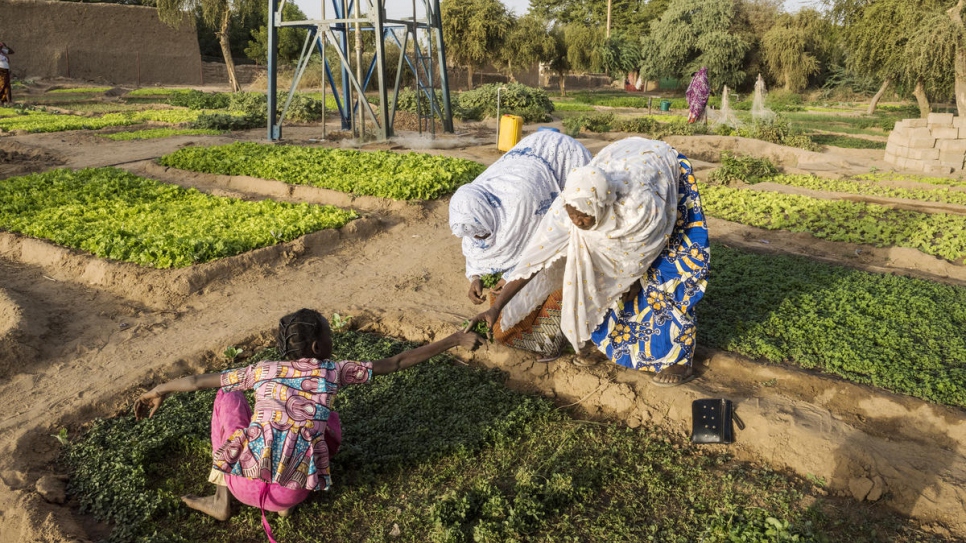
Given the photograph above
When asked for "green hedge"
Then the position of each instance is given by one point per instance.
(118, 215)
(409, 176)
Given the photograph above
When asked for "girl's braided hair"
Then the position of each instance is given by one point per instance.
(297, 331)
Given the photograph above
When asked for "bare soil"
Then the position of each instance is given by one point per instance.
(79, 337)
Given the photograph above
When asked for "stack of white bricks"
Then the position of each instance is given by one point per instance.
(935, 145)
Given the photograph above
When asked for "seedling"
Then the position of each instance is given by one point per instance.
(231, 353)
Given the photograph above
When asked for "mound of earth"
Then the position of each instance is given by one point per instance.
(18, 159)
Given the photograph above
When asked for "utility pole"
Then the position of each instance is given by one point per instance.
(608, 17)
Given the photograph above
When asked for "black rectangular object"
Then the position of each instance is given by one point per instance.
(712, 421)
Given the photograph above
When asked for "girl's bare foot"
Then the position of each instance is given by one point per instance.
(217, 506)
(285, 512)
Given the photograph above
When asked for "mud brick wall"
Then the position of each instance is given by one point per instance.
(103, 43)
(935, 145)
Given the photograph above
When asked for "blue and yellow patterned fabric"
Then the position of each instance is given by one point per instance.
(657, 328)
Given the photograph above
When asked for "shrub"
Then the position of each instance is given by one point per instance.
(782, 100)
(303, 108)
(594, 122)
(193, 99)
(742, 168)
(778, 130)
(638, 125)
(227, 121)
(515, 99)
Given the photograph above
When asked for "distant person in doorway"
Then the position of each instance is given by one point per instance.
(698, 92)
(6, 94)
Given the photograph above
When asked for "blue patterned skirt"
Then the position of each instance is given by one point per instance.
(657, 328)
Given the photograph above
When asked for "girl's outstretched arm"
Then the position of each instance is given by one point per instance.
(401, 361)
(151, 400)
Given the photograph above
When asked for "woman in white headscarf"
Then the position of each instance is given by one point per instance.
(628, 241)
(496, 215)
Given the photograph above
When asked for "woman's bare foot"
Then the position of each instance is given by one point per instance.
(673, 376)
(217, 506)
(286, 512)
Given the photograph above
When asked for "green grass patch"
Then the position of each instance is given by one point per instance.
(101, 107)
(155, 133)
(846, 142)
(399, 176)
(118, 215)
(79, 90)
(915, 178)
(154, 91)
(560, 106)
(450, 455)
(889, 331)
(937, 234)
(870, 188)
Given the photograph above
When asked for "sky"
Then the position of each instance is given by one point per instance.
(313, 8)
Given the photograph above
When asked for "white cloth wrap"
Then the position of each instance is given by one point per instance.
(508, 200)
(631, 188)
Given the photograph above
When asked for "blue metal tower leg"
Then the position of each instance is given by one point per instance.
(274, 129)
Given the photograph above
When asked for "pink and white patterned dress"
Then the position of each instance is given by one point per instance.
(284, 443)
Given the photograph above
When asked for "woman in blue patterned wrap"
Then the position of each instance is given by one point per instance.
(496, 215)
(628, 240)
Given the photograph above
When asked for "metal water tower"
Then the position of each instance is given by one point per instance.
(422, 52)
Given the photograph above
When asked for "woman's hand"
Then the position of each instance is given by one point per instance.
(489, 317)
(152, 400)
(476, 290)
(498, 288)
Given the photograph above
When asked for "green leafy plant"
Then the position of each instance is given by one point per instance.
(463, 458)
(80, 90)
(936, 234)
(738, 168)
(118, 215)
(194, 99)
(515, 99)
(339, 322)
(400, 176)
(232, 352)
(893, 332)
(490, 280)
(61, 437)
(157, 133)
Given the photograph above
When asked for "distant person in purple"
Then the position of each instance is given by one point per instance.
(698, 92)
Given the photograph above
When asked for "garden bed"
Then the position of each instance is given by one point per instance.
(137, 225)
(446, 453)
(384, 174)
(269, 188)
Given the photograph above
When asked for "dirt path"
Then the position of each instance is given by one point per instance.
(77, 352)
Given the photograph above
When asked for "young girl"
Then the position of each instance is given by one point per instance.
(274, 458)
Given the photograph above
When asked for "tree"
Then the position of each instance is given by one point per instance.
(555, 55)
(917, 44)
(583, 43)
(618, 55)
(525, 43)
(695, 33)
(473, 31)
(630, 17)
(213, 12)
(290, 40)
(791, 48)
